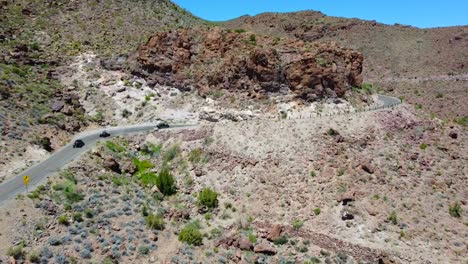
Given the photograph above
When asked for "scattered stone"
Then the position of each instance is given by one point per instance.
(112, 164)
(129, 167)
(275, 232)
(453, 134)
(245, 244)
(57, 106)
(367, 167)
(198, 172)
(265, 248)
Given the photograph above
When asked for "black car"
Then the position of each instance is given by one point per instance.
(163, 125)
(104, 134)
(78, 143)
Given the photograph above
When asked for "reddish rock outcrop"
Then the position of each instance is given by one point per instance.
(248, 64)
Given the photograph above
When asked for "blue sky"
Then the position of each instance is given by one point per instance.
(419, 13)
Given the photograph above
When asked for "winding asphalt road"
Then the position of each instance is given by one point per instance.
(39, 172)
(59, 159)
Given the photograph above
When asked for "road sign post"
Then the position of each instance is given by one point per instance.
(26, 182)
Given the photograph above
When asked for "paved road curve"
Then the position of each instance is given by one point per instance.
(62, 157)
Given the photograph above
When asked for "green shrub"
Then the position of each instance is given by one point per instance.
(16, 251)
(114, 146)
(367, 87)
(252, 238)
(195, 155)
(143, 250)
(151, 149)
(63, 220)
(72, 195)
(191, 235)
(126, 113)
(166, 182)
(297, 224)
(33, 257)
(208, 198)
(239, 30)
(171, 153)
(281, 240)
(423, 146)
(253, 39)
(78, 217)
(148, 179)
(455, 210)
(313, 174)
(142, 165)
(462, 121)
(119, 180)
(89, 213)
(393, 218)
(154, 222)
(317, 211)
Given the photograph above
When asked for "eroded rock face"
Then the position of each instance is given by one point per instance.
(247, 64)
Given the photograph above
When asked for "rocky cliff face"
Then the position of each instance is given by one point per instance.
(248, 64)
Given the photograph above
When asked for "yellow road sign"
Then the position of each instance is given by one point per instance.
(26, 180)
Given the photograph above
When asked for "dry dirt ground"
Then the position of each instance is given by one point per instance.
(380, 185)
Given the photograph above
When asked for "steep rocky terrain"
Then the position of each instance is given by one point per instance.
(395, 55)
(242, 63)
(38, 39)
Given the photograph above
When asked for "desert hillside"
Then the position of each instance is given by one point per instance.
(152, 136)
(427, 67)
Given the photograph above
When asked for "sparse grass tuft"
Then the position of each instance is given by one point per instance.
(154, 222)
(455, 210)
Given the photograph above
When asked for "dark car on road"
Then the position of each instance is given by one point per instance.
(104, 134)
(78, 143)
(162, 125)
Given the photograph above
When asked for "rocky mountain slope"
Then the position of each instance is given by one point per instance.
(38, 39)
(241, 63)
(398, 58)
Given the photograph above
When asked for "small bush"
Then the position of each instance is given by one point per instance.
(317, 211)
(126, 113)
(154, 222)
(208, 198)
(33, 257)
(148, 179)
(151, 149)
(239, 30)
(195, 155)
(252, 238)
(171, 153)
(253, 39)
(114, 146)
(89, 213)
(455, 210)
(297, 224)
(77, 217)
(423, 146)
(393, 218)
(166, 182)
(143, 250)
(63, 220)
(119, 180)
(191, 235)
(16, 251)
(142, 165)
(313, 174)
(281, 240)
